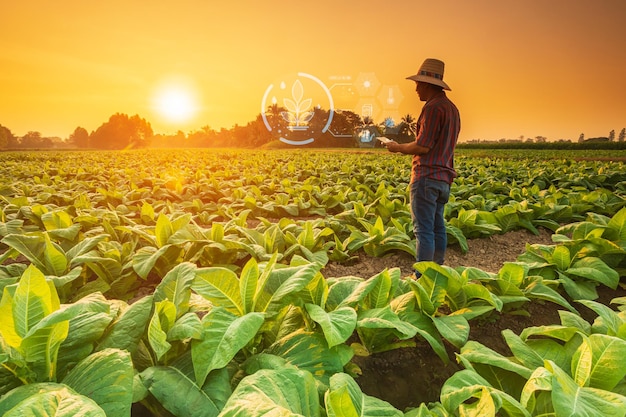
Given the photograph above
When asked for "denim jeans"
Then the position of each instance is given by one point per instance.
(428, 198)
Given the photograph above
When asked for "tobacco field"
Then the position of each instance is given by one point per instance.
(194, 283)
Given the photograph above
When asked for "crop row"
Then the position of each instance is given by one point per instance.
(240, 318)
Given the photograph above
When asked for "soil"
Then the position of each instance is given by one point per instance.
(409, 376)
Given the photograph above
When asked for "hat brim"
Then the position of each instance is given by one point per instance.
(429, 80)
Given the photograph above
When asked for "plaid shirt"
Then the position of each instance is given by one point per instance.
(438, 129)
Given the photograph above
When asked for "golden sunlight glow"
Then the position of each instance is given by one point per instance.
(175, 101)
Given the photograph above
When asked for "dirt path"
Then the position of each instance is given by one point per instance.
(488, 254)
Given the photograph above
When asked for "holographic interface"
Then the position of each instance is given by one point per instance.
(299, 108)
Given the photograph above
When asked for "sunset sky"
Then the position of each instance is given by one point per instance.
(554, 68)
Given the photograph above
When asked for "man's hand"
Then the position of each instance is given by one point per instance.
(392, 146)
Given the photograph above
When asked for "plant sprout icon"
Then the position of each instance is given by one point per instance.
(297, 115)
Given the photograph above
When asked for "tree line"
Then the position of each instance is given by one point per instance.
(129, 132)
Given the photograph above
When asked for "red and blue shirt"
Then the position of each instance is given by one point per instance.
(438, 129)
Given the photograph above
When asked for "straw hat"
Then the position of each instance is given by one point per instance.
(431, 72)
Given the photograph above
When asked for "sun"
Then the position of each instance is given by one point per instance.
(175, 101)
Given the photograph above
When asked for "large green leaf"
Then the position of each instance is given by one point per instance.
(618, 225)
(595, 269)
(280, 283)
(161, 322)
(221, 287)
(309, 351)
(381, 329)
(570, 399)
(609, 321)
(30, 246)
(286, 392)
(163, 230)
(605, 365)
(454, 329)
(107, 378)
(337, 325)
(223, 336)
(49, 400)
(176, 287)
(177, 393)
(33, 300)
(126, 331)
(475, 352)
(345, 399)
(461, 390)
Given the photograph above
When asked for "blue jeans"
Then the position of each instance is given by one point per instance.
(428, 198)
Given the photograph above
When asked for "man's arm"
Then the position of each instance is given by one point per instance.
(410, 148)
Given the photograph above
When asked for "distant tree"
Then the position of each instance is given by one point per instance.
(612, 136)
(275, 120)
(407, 130)
(622, 135)
(581, 138)
(32, 140)
(5, 134)
(122, 132)
(345, 122)
(259, 135)
(80, 138)
(541, 139)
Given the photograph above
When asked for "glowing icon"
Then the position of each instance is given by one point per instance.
(297, 122)
(297, 114)
(367, 110)
(390, 99)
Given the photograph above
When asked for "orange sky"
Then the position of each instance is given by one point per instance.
(554, 68)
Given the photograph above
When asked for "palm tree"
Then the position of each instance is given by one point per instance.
(407, 130)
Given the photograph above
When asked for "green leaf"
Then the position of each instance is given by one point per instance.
(338, 325)
(221, 287)
(484, 407)
(608, 366)
(163, 230)
(578, 289)
(460, 387)
(146, 258)
(477, 353)
(177, 393)
(281, 282)
(427, 330)
(345, 399)
(223, 336)
(126, 331)
(618, 225)
(454, 329)
(594, 269)
(176, 287)
(51, 400)
(286, 392)
(162, 321)
(33, 300)
(31, 247)
(561, 257)
(513, 272)
(188, 326)
(570, 399)
(107, 378)
(248, 282)
(609, 321)
(522, 352)
(308, 351)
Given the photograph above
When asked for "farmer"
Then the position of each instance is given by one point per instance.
(433, 160)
